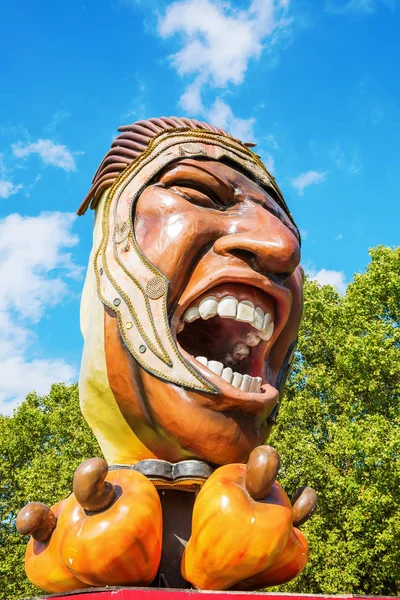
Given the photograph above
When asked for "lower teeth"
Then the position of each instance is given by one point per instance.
(245, 383)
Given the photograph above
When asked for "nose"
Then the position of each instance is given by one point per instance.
(263, 241)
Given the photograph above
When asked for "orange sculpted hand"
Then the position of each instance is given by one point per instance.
(43, 564)
(107, 533)
(242, 521)
(294, 558)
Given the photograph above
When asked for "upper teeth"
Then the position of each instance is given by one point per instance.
(230, 308)
(208, 307)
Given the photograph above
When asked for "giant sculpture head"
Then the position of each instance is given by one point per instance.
(192, 299)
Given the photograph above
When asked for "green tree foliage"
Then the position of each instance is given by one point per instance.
(339, 431)
(40, 447)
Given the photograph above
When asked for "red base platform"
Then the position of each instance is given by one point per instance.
(119, 593)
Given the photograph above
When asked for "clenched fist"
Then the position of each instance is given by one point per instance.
(243, 532)
(108, 532)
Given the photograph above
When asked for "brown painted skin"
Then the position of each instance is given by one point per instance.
(304, 502)
(90, 488)
(36, 519)
(261, 471)
(241, 238)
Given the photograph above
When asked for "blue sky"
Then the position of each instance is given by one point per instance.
(314, 82)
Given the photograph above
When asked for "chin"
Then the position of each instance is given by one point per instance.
(199, 428)
(240, 336)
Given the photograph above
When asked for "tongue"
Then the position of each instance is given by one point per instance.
(215, 337)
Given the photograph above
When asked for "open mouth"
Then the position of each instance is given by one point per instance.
(230, 330)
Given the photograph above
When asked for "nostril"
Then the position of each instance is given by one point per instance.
(251, 259)
(279, 277)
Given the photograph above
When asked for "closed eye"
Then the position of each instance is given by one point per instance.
(199, 195)
(197, 185)
(191, 180)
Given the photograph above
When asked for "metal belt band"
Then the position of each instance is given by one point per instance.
(164, 472)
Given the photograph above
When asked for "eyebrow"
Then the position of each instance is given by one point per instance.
(267, 200)
(216, 183)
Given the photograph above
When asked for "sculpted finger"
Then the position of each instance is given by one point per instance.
(261, 471)
(36, 519)
(90, 488)
(304, 502)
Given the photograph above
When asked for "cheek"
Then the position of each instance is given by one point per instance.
(170, 231)
(290, 331)
(296, 285)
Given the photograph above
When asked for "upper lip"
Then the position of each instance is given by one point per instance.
(281, 295)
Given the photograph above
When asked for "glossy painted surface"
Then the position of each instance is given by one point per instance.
(193, 224)
(110, 530)
(234, 536)
(207, 246)
(43, 564)
(285, 567)
(119, 545)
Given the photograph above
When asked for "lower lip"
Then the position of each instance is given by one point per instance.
(249, 402)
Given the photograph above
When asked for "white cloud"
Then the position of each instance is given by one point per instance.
(339, 237)
(304, 234)
(19, 374)
(34, 262)
(23, 377)
(191, 100)
(221, 115)
(350, 163)
(8, 188)
(268, 160)
(50, 152)
(305, 179)
(358, 6)
(58, 117)
(327, 277)
(140, 105)
(217, 42)
(30, 249)
(272, 141)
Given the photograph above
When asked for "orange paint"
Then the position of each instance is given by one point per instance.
(43, 564)
(233, 536)
(120, 545)
(286, 567)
